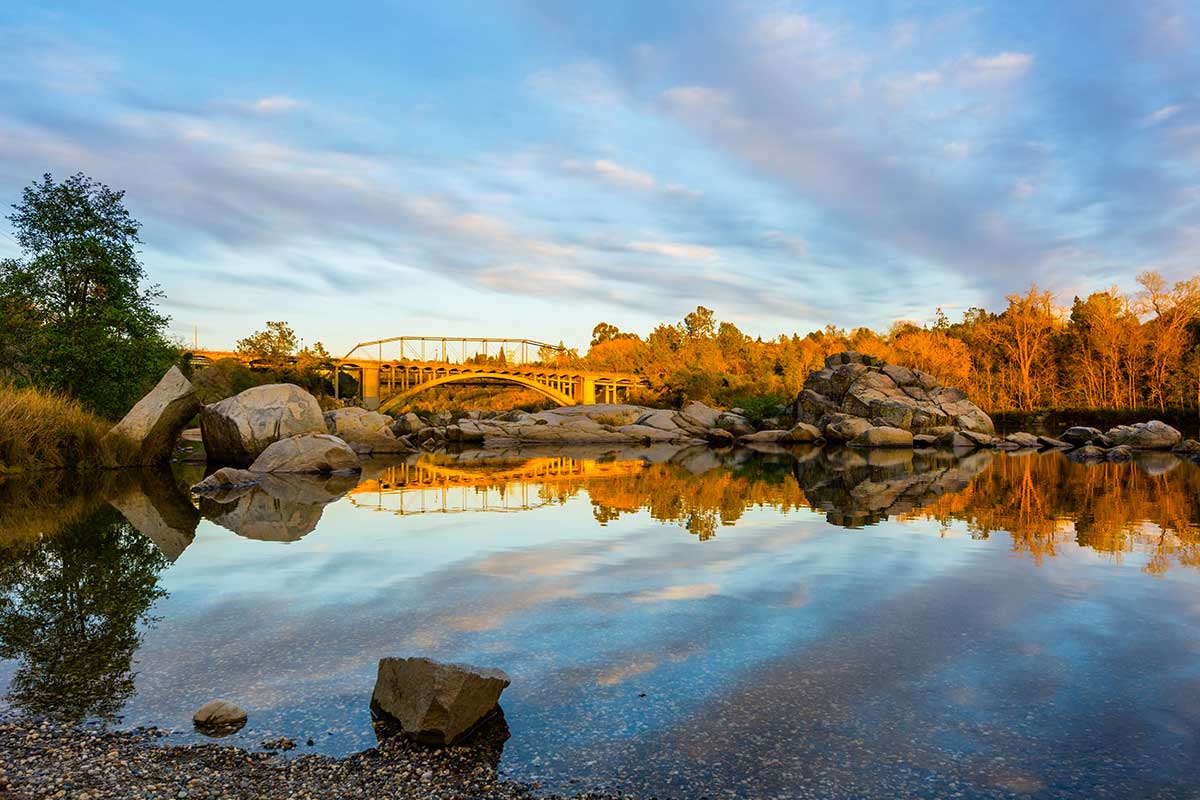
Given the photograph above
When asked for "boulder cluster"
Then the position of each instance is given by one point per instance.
(855, 400)
(855, 392)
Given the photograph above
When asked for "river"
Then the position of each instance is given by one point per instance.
(678, 623)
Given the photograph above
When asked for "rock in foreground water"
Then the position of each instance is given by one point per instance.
(239, 428)
(219, 714)
(435, 703)
(158, 418)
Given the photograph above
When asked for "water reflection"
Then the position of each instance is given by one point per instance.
(73, 602)
(281, 508)
(773, 618)
(1151, 504)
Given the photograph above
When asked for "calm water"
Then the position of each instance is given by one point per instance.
(679, 623)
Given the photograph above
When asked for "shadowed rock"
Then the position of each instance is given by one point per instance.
(435, 703)
(158, 418)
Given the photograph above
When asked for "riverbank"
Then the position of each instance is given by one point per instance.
(45, 430)
(41, 759)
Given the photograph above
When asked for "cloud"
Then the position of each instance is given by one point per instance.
(1005, 66)
(682, 251)
(613, 172)
(276, 104)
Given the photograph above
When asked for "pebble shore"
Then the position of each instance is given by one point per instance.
(41, 759)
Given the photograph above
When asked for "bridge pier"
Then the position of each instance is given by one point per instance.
(370, 387)
(587, 391)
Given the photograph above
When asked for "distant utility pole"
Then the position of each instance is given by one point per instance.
(195, 337)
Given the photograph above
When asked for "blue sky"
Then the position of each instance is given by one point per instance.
(531, 168)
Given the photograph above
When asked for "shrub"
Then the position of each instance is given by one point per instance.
(42, 429)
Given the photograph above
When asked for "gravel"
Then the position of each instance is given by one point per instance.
(43, 759)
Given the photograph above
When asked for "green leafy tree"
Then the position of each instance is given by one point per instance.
(273, 347)
(74, 313)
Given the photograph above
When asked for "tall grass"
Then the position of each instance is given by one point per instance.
(47, 430)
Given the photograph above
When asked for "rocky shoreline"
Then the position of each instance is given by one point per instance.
(41, 759)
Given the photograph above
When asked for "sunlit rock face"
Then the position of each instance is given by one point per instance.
(861, 487)
(886, 395)
(434, 703)
(238, 429)
(158, 418)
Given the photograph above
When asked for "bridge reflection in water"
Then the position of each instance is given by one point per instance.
(444, 485)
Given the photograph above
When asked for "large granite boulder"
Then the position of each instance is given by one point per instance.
(886, 395)
(156, 421)
(882, 436)
(238, 429)
(435, 703)
(367, 432)
(309, 452)
(341, 421)
(1152, 435)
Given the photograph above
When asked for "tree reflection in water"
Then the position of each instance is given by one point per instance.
(1040, 499)
(71, 604)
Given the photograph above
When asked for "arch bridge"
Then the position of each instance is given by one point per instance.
(402, 367)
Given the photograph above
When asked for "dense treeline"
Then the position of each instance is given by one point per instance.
(1109, 350)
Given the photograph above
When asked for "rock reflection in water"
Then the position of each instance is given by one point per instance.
(281, 508)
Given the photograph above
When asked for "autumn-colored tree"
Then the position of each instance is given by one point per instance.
(1023, 332)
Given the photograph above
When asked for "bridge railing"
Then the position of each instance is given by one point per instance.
(456, 349)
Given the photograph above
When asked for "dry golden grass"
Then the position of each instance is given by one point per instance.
(47, 430)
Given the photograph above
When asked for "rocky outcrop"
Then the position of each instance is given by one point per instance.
(310, 452)
(853, 385)
(1152, 435)
(238, 429)
(609, 423)
(435, 703)
(156, 421)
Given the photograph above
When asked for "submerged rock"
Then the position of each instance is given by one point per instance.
(238, 429)
(435, 703)
(226, 478)
(156, 421)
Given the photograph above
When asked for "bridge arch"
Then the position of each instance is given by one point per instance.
(397, 400)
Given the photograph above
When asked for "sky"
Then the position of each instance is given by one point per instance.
(530, 168)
